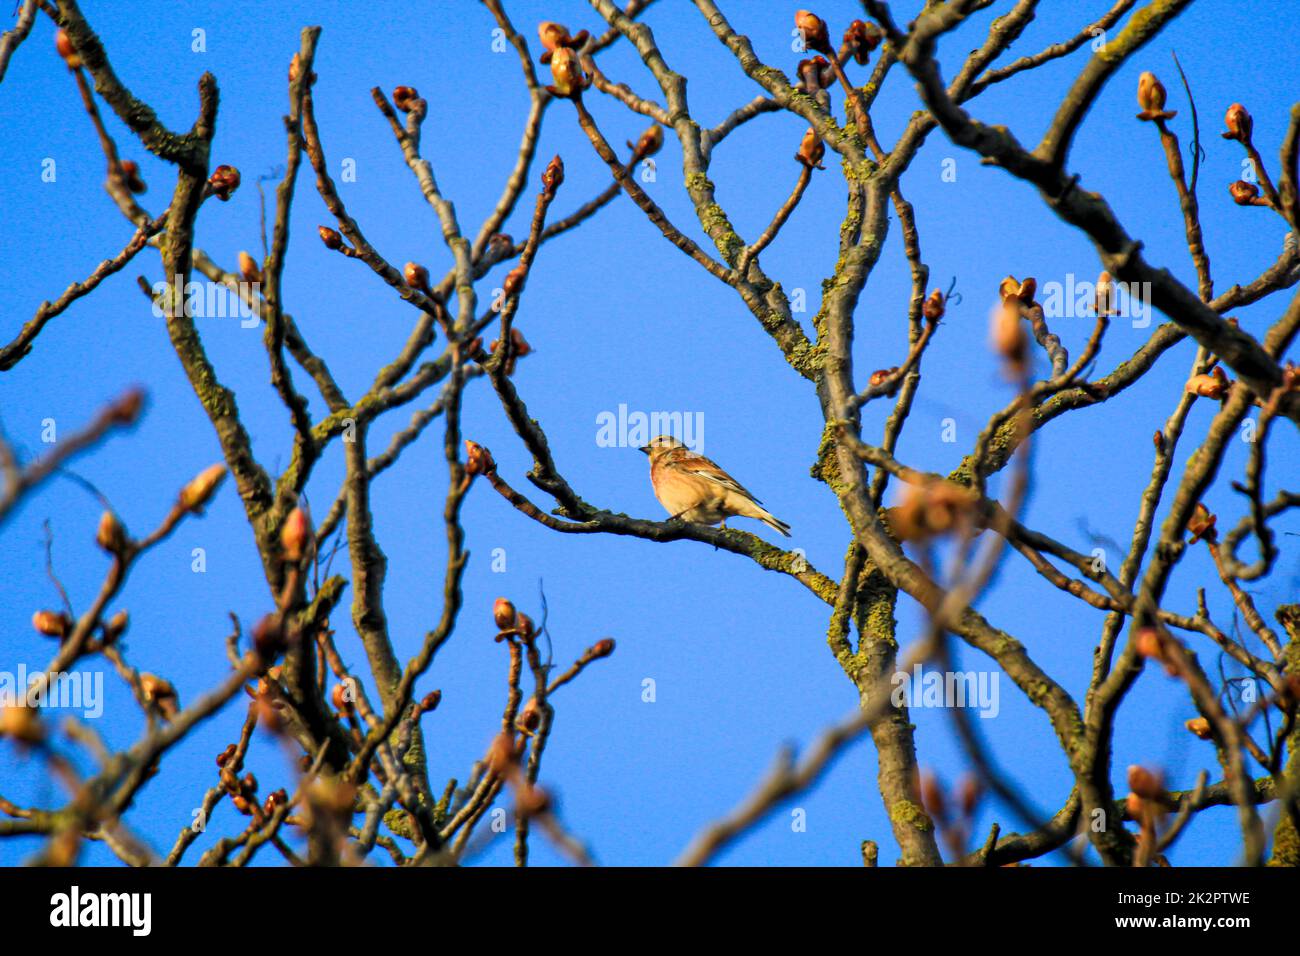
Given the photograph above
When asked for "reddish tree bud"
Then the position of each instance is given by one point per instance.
(161, 694)
(651, 141)
(934, 306)
(224, 181)
(524, 624)
(861, 38)
(532, 800)
(814, 74)
(1239, 123)
(416, 276)
(296, 535)
(248, 267)
(1200, 727)
(21, 724)
(501, 755)
(1151, 97)
(129, 170)
(330, 237)
(932, 796)
(341, 698)
(813, 28)
(52, 623)
(1243, 193)
(1145, 783)
(514, 280)
(116, 627)
(811, 150)
(430, 701)
(1201, 523)
(478, 460)
(227, 755)
(603, 647)
(553, 175)
(880, 376)
(126, 409)
(504, 614)
(110, 535)
(568, 80)
(530, 718)
(405, 97)
(195, 495)
(63, 43)
(1007, 333)
(269, 637)
(519, 343)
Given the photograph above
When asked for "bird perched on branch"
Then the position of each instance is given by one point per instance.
(693, 488)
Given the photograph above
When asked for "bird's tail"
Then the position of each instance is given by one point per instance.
(772, 521)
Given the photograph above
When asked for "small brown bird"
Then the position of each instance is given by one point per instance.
(693, 488)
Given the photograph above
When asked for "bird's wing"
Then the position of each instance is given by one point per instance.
(697, 464)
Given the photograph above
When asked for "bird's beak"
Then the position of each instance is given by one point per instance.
(644, 449)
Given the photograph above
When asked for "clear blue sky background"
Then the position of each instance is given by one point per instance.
(616, 316)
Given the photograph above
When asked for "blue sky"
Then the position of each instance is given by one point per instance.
(617, 316)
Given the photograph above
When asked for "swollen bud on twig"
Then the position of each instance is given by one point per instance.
(1151, 97)
(811, 150)
(501, 755)
(115, 627)
(1214, 385)
(932, 796)
(1104, 302)
(1007, 333)
(269, 637)
(861, 38)
(1145, 783)
(650, 142)
(930, 508)
(524, 624)
(224, 181)
(248, 267)
(513, 283)
(330, 237)
(22, 724)
(1201, 524)
(405, 98)
(530, 718)
(815, 35)
(881, 375)
(566, 73)
(1157, 646)
(429, 702)
(110, 535)
(52, 624)
(341, 698)
(129, 172)
(1244, 193)
(126, 409)
(969, 792)
(556, 35)
(1200, 727)
(934, 306)
(504, 614)
(1239, 123)
(199, 491)
(603, 647)
(814, 74)
(295, 535)
(553, 176)
(63, 43)
(161, 694)
(416, 276)
(478, 460)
